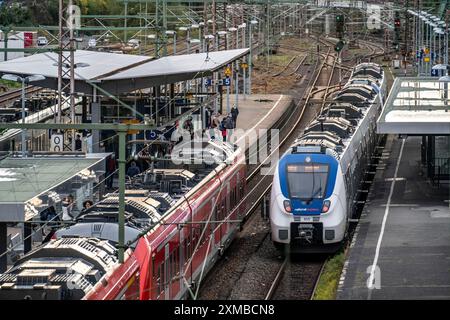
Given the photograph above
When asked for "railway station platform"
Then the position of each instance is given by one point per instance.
(404, 231)
(261, 111)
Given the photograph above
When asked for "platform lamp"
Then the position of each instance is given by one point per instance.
(243, 26)
(153, 37)
(24, 80)
(174, 34)
(250, 62)
(187, 30)
(221, 33)
(195, 42)
(445, 79)
(208, 39)
(233, 29)
(201, 33)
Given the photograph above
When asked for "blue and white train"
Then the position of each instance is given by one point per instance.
(316, 182)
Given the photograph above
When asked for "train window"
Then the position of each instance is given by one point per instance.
(188, 249)
(162, 278)
(158, 281)
(171, 267)
(232, 199)
(241, 189)
(177, 263)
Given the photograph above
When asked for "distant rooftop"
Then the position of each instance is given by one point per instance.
(416, 106)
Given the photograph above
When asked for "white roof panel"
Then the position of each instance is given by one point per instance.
(118, 73)
(181, 64)
(99, 64)
(416, 106)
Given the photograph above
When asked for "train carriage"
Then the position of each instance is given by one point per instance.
(316, 181)
(184, 219)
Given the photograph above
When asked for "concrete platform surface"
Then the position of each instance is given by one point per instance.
(404, 230)
(260, 111)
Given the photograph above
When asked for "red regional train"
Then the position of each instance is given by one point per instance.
(178, 220)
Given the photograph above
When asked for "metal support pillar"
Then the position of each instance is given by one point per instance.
(430, 156)
(125, 22)
(3, 246)
(24, 132)
(121, 220)
(95, 118)
(423, 150)
(27, 238)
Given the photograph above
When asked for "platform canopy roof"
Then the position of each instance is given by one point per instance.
(119, 73)
(25, 181)
(416, 106)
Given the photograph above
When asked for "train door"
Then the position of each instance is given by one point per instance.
(167, 280)
(216, 209)
(227, 209)
(181, 260)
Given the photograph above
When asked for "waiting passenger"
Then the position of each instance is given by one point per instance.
(234, 115)
(133, 170)
(87, 204)
(78, 143)
(67, 206)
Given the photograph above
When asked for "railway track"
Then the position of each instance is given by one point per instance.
(9, 97)
(299, 59)
(255, 227)
(296, 279)
(253, 269)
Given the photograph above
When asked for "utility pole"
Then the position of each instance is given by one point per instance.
(66, 60)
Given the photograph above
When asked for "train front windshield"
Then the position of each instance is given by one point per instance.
(307, 181)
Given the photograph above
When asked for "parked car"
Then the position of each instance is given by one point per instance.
(42, 41)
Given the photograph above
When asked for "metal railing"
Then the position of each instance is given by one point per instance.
(439, 170)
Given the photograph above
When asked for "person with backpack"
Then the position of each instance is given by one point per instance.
(189, 126)
(215, 124)
(223, 129)
(234, 115)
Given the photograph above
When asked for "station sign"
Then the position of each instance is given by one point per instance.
(57, 142)
(228, 72)
(227, 82)
(152, 134)
(244, 65)
(208, 82)
(420, 54)
(131, 121)
(224, 82)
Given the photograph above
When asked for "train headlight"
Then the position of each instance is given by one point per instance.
(287, 206)
(326, 206)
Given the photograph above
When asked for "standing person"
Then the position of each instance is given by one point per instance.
(234, 115)
(208, 116)
(223, 129)
(67, 206)
(176, 137)
(214, 124)
(189, 126)
(110, 170)
(133, 170)
(86, 205)
(78, 143)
